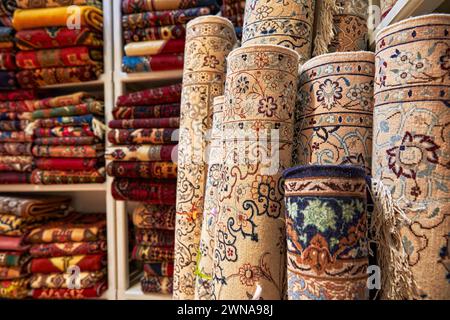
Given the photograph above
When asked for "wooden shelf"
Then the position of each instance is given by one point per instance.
(135, 293)
(53, 188)
(149, 76)
(404, 9)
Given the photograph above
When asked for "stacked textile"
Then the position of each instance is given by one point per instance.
(234, 11)
(68, 145)
(154, 233)
(18, 215)
(154, 32)
(59, 43)
(16, 161)
(75, 245)
(7, 47)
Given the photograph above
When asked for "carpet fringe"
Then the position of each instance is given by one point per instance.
(325, 27)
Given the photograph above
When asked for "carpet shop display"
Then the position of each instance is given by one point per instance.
(327, 233)
(258, 114)
(204, 283)
(208, 42)
(54, 53)
(411, 149)
(341, 25)
(154, 33)
(335, 110)
(290, 23)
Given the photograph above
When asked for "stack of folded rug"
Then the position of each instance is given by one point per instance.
(16, 161)
(58, 43)
(69, 258)
(144, 134)
(154, 32)
(155, 238)
(18, 215)
(7, 47)
(234, 11)
(68, 143)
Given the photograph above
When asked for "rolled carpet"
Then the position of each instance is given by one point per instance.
(14, 115)
(32, 206)
(62, 101)
(150, 216)
(26, 4)
(14, 289)
(136, 6)
(59, 57)
(73, 294)
(11, 273)
(15, 149)
(93, 262)
(15, 178)
(91, 107)
(151, 253)
(155, 47)
(142, 112)
(16, 163)
(65, 141)
(16, 106)
(61, 280)
(148, 191)
(143, 136)
(68, 164)
(173, 122)
(66, 132)
(15, 136)
(46, 38)
(89, 151)
(155, 238)
(88, 16)
(13, 258)
(142, 153)
(163, 285)
(47, 250)
(142, 169)
(158, 269)
(68, 121)
(160, 62)
(13, 125)
(47, 177)
(154, 96)
(155, 33)
(13, 243)
(327, 237)
(33, 78)
(7, 61)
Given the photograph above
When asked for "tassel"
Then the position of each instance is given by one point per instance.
(325, 27)
(98, 127)
(397, 280)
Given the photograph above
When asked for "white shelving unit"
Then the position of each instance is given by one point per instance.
(89, 197)
(128, 286)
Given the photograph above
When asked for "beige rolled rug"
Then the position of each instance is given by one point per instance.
(411, 152)
(286, 23)
(250, 248)
(335, 110)
(209, 39)
(204, 284)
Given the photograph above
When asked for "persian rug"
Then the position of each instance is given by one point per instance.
(351, 34)
(204, 283)
(91, 17)
(33, 78)
(155, 237)
(15, 136)
(17, 95)
(46, 38)
(92, 151)
(15, 178)
(145, 190)
(160, 62)
(154, 96)
(15, 259)
(164, 17)
(411, 149)
(11, 273)
(74, 228)
(65, 141)
(148, 253)
(93, 262)
(66, 164)
(288, 23)
(173, 122)
(163, 285)
(209, 40)
(386, 6)
(26, 4)
(15, 149)
(136, 6)
(143, 136)
(60, 280)
(48, 250)
(327, 232)
(59, 57)
(15, 116)
(91, 107)
(16, 106)
(148, 216)
(142, 169)
(69, 121)
(16, 163)
(13, 244)
(155, 33)
(47, 177)
(70, 294)
(335, 110)
(143, 112)
(32, 206)
(13, 125)
(155, 47)
(250, 228)
(63, 101)
(142, 153)
(158, 269)
(14, 289)
(65, 132)
(7, 61)
(8, 80)
(11, 225)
